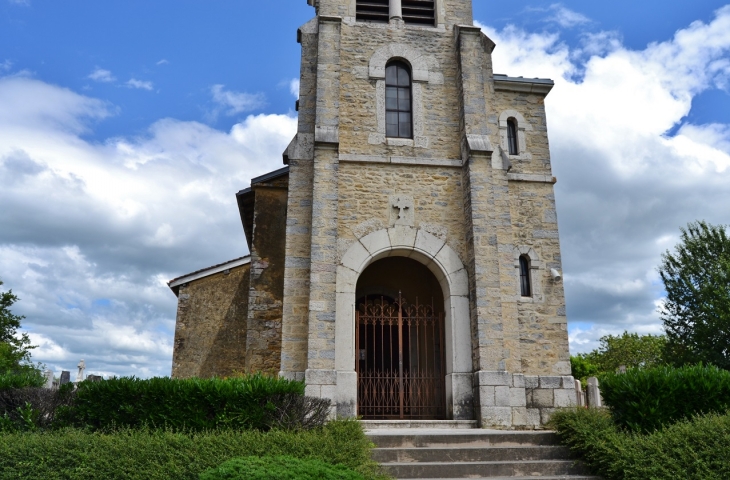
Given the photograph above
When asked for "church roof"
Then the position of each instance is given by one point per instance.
(246, 199)
(175, 283)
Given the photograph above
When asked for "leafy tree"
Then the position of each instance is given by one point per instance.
(14, 349)
(628, 349)
(696, 313)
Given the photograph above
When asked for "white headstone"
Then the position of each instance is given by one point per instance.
(49, 378)
(80, 374)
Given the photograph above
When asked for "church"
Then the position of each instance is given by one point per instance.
(405, 261)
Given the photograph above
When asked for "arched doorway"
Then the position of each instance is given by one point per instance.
(399, 338)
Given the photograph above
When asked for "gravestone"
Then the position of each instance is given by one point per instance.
(580, 396)
(80, 375)
(594, 393)
(49, 378)
(94, 378)
(65, 377)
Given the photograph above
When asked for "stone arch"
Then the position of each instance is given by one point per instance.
(419, 63)
(446, 265)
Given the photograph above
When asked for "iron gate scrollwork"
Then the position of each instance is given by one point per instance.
(400, 359)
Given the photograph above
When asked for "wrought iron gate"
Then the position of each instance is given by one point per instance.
(400, 360)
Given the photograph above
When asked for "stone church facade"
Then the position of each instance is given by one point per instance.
(405, 263)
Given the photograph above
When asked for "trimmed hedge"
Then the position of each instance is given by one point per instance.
(644, 400)
(252, 402)
(72, 454)
(192, 404)
(279, 468)
(693, 448)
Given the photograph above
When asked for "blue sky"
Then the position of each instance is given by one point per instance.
(127, 127)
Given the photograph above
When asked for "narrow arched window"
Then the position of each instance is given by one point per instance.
(398, 105)
(512, 136)
(525, 289)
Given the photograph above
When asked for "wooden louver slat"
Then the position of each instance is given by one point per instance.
(422, 12)
(372, 11)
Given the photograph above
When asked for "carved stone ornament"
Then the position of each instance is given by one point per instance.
(401, 210)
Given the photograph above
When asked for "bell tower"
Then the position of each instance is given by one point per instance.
(420, 197)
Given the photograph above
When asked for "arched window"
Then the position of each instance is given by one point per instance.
(398, 105)
(525, 289)
(512, 136)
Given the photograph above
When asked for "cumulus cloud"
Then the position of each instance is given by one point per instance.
(101, 75)
(625, 184)
(232, 103)
(91, 231)
(140, 84)
(294, 87)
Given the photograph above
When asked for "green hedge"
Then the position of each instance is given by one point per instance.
(697, 448)
(21, 379)
(190, 405)
(279, 468)
(645, 400)
(72, 454)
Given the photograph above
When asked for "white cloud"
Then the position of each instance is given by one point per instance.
(101, 75)
(6, 65)
(25, 3)
(90, 230)
(294, 87)
(624, 185)
(232, 103)
(566, 17)
(162, 62)
(141, 84)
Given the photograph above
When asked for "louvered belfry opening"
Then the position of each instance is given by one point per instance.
(422, 12)
(372, 11)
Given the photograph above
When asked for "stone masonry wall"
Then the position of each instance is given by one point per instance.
(210, 334)
(266, 288)
(365, 191)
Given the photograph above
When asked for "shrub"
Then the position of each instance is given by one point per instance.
(279, 468)
(251, 402)
(647, 400)
(73, 454)
(32, 408)
(693, 448)
(20, 379)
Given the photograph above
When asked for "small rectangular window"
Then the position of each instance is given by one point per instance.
(421, 12)
(372, 11)
(512, 137)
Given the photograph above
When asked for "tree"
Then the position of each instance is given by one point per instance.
(14, 349)
(696, 312)
(628, 349)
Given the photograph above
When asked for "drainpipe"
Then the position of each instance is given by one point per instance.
(395, 10)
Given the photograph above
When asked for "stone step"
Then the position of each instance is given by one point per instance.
(527, 468)
(470, 454)
(413, 438)
(532, 477)
(419, 424)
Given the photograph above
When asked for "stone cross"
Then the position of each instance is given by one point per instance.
(402, 205)
(401, 210)
(80, 375)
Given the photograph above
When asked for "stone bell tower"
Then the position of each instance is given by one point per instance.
(422, 260)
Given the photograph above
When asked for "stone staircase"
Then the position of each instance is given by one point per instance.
(456, 451)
